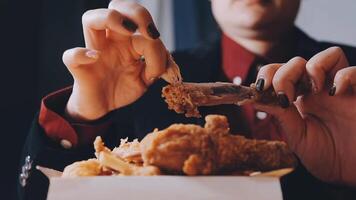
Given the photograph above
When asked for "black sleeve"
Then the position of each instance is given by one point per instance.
(42, 151)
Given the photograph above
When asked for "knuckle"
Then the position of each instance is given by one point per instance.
(264, 68)
(70, 54)
(86, 16)
(65, 57)
(263, 72)
(277, 82)
(67, 53)
(336, 49)
(299, 60)
(112, 14)
(343, 75)
(74, 52)
(155, 44)
(280, 78)
(268, 68)
(342, 59)
(315, 65)
(111, 3)
(135, 8)
(309, 65)
(142, 12)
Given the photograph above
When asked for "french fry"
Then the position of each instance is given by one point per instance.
(111, 161)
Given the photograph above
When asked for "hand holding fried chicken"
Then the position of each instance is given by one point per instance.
(122, 58)
(320, 127)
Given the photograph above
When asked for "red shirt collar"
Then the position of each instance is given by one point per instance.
(236, 60)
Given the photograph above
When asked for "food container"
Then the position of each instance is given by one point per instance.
(257, 186)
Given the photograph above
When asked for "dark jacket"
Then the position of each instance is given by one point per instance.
(150, 111)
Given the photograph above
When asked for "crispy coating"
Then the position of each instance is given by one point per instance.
(114, 162)
(172, 74)
(89, 167)
(99, 146)
(179, 100)
(186, 149)
(180, 148)
(236, 152)
(186, 97)
(194, 150)
(129, 151)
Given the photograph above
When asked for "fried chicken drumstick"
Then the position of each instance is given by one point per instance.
(186, 97)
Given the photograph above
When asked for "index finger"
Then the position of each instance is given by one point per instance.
(139, 15)
(97, 22)
(324, 64)
(155, 55)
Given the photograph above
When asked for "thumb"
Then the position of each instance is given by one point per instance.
(290, 123)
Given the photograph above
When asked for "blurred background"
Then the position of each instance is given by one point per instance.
(34, 35)
(326, 20)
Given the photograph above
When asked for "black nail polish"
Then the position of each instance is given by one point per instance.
(332, 90)
(260, 84)
(152, 31)
(129, 25)
(283, 100)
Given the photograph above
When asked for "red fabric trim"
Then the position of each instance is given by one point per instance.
(58, 128)
(237, 60)
(55, 126)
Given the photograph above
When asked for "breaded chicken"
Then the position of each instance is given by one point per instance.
(89, 167)
(186, 149)
(194, 150)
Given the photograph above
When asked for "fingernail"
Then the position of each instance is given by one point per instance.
(283, 100)
(92, 54)
(129, 25)
(332, 90)
(260, 84)
(152, 31)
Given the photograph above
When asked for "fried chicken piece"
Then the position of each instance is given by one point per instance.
(237, 152)
(89, 167)
(109, 160)
(194, 150)
(180, 100)
(180, 148)
(185, 97)
(126, 169)
(186, 149)
(172, 74)
(129, 151)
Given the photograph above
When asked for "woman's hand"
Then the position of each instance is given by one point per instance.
(108, 73)
(320, 127)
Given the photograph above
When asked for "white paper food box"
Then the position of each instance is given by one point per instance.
(264, 186)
